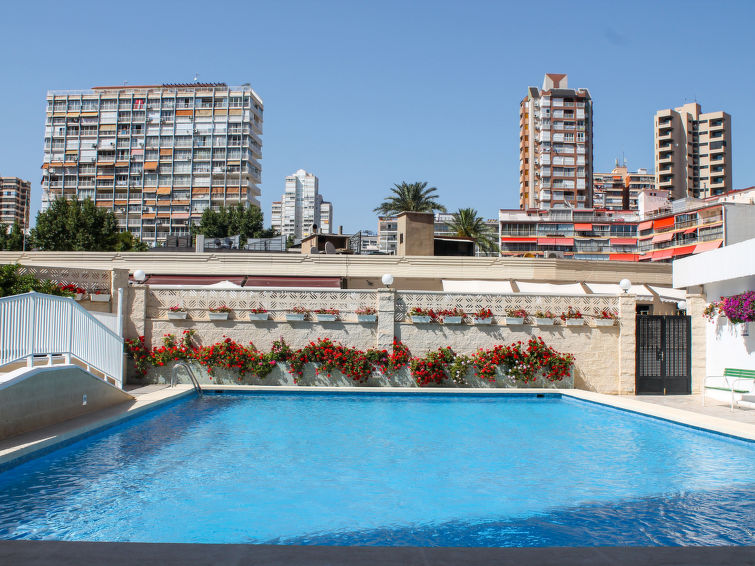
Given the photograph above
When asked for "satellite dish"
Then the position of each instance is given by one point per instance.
(330, 248)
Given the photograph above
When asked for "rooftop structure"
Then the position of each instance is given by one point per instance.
(555, 146)
(619, 189)
(156, 155)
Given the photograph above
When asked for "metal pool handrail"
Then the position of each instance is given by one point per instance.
(192, 377)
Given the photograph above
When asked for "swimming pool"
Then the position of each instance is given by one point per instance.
(388, 469)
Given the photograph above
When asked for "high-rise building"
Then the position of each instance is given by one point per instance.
(302, 209)
(326, 217)
(620, 189)
(14, 202)
(555, 146)
(693, 152)
(157, 155)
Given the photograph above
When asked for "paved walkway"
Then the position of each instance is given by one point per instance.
(694, 403)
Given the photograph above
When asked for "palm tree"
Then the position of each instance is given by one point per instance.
(467, 224)
(410, 197)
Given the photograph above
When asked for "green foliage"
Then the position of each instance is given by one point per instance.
(12, 240)
(246, 221)
(73, 225)
(127, 242)
(467, 224)
(410, 197)
(14, 283)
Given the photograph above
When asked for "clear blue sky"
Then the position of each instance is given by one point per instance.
(367, 94)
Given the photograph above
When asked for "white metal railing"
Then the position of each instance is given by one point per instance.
(36, 325)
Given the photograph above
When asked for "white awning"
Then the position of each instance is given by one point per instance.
(667, 295)
(476, 286)
(573, 289)
(225, 285)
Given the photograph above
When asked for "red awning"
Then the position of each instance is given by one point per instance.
(193, 279)
(645, 257)
(645, 225)
(684, 250)
(565, 241)
(546, 241)
(690, 230)
(665, 237)
(663, 223)
(623, 241)
(662, 254)
(624, 257)
(707, 246)
(583, 226)
(281, 281)
(518, 240)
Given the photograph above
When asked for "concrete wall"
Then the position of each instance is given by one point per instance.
(729, 346)
(44, 396)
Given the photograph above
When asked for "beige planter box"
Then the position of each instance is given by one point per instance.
(488, 320)
(575, 322)
(323, 317)
(101, 298)
(218, 316)
(545, 321)
(514, 320)
(604, 322)
(78, 296)
(181, 315)
(421, 319)
(366, 317)
(258, 316)
(453, 320)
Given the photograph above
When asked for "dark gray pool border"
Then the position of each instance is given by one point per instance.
(39, 553)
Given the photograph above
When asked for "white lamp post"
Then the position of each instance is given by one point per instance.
(387, 279)
(139, 276)
(681, 305)
(625, 285)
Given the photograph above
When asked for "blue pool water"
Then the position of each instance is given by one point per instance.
(352, 469)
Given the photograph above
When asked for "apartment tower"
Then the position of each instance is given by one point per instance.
(14, 202)
(693, 152)
(156, 155)
(301, 209)
(620, 189)
(555, 146)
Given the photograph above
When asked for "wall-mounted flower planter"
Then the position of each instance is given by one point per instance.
(178, 315)
(545, 321)
(366, 317)
(218, 316)
(604, 322)
(101, 298)
(487, 320)
(295, 316)
(575, 322)
(453, 319)
(418, 319)
(322, 317)
(257, 316)
(78, 296)
(514, 320)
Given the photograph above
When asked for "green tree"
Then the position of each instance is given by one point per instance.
(12, 240)
(244, 221)
(127, 242)
(72, 225)
(467, 224)
(410, 197)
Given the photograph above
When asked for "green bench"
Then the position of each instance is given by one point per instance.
(734, 382)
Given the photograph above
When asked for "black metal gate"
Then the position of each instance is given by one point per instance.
(663, 355)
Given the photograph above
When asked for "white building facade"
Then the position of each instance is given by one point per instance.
(301, 209)
(156, 155)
